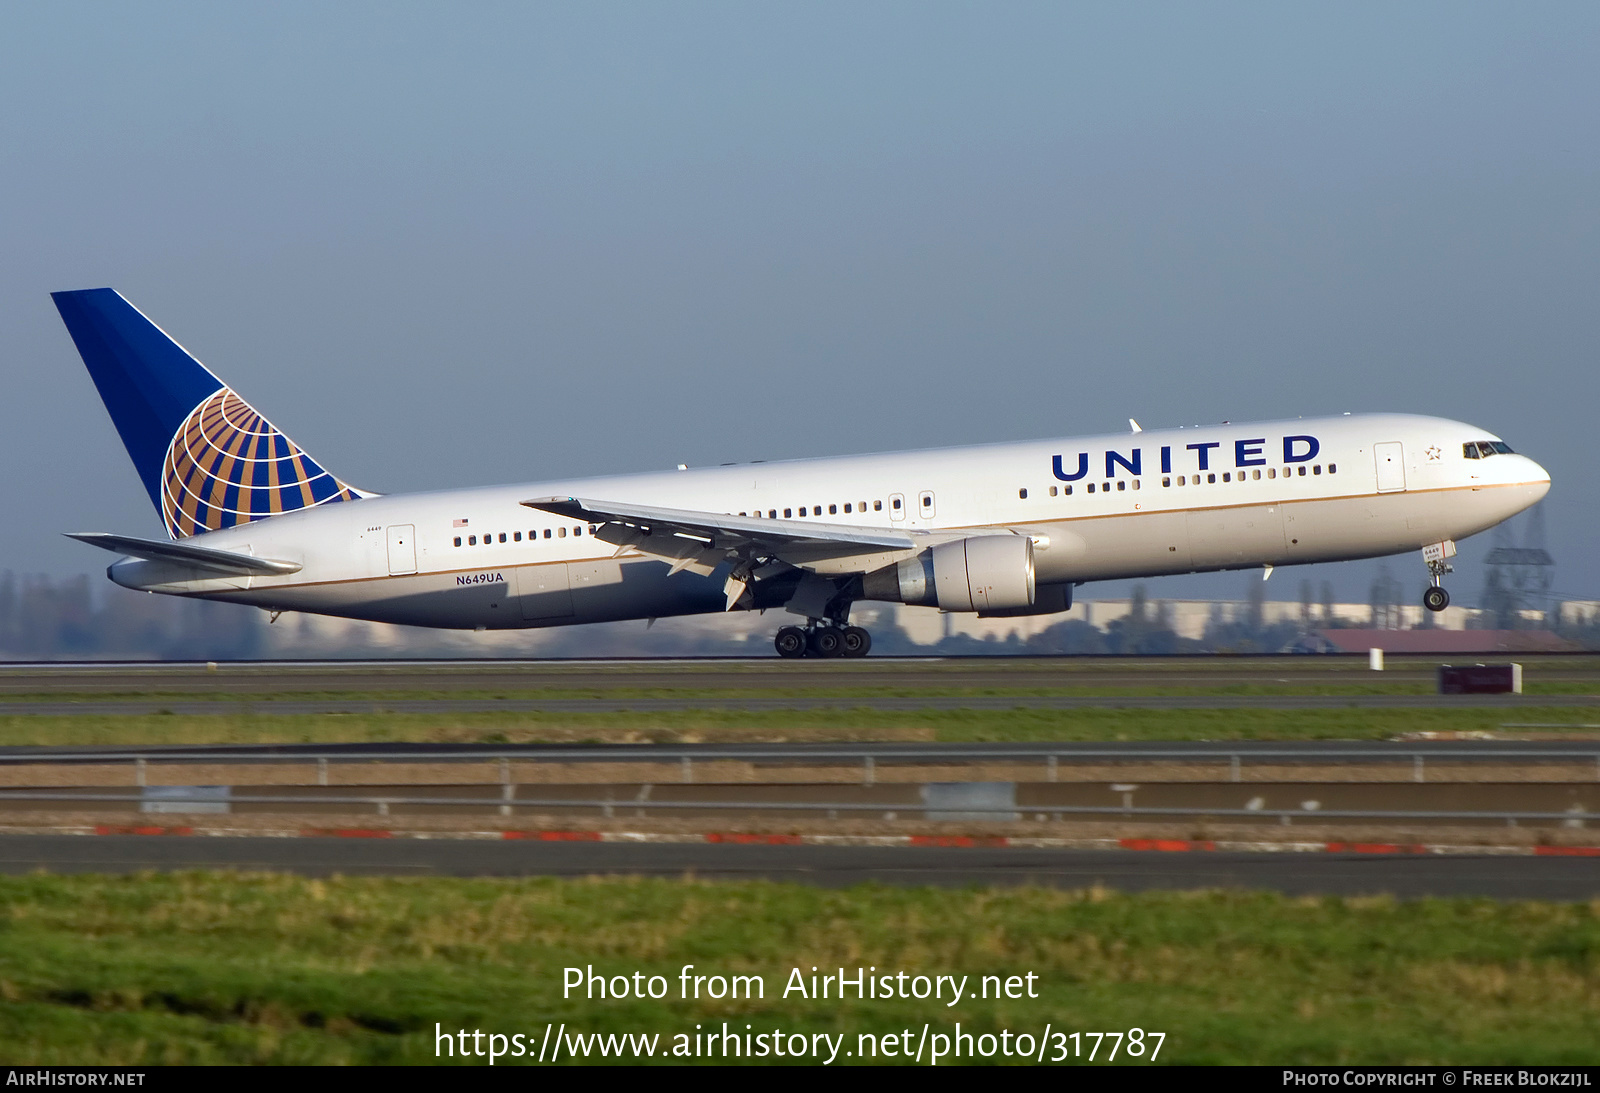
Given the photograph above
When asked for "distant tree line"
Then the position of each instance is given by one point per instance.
(77, 618)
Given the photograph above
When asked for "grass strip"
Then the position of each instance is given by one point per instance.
(232, 726)
(225, 968)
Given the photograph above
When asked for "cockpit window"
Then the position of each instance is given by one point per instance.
(1503, 448)
(1483, 449)
(1470, 449)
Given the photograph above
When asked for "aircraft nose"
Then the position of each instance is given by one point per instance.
(1538, 479)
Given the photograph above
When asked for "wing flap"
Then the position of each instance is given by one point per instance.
(677, 533)
(224, 563)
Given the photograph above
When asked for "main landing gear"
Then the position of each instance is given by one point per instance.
(1436, 598)
(822, 640)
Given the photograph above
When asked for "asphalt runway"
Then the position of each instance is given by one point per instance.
(764, 684)
(1402, 875)
(1219, 751)
(289, 707)
(770, 684)
(265, 678)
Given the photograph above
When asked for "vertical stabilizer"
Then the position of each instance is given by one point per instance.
(206, 457)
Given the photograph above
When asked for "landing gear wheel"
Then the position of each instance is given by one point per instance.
(826, 641)
(1436, 599)
(790, 642)
(857, 642)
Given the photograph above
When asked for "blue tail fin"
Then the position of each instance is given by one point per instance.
(208, 460)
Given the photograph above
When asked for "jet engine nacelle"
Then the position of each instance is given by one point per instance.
(980, 573)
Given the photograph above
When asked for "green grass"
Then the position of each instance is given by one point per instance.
(230, 726)
(220, 968)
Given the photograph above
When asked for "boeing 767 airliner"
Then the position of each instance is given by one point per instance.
(997, 529)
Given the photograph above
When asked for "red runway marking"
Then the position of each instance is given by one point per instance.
(1166, 844)
(1567, 851)
(959, 840)
(554, 836)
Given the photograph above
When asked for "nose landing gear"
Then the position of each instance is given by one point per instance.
(1436, 598)
(823, 640)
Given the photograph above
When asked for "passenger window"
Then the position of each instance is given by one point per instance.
(1256, 475)
(1166, 481)
(897, 502)
(788, 514)
(1091, 487)
(1054, 491)
(1135, 483)
(458, 540)
(1023, 493)
(835, 508)
(502, 536)
(1316, 468)
(577, 531)
(1272, 472)
(1069, 491)
(862, 507)
(1333, 468)
(802, 510)
(772, 514)
(1183, 480)
(547, 533)
(1225, 477)
(846, 507)
(516, 536)
(472, 540)
(1302, 470)
(877, 506)
(1211, 479)
(1121, 485)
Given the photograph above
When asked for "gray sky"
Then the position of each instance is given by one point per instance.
(454, 244)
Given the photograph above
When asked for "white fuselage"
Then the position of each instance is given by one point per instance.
(1105, 507)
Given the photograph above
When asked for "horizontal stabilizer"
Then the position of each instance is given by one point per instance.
(221, 562)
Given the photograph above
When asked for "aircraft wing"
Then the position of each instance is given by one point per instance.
(225, 563)
(697, 540)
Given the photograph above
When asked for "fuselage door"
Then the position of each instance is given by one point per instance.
(897, 506)
(402, 549)
(1391, 460)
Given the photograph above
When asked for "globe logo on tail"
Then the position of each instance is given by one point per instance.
(227, 465)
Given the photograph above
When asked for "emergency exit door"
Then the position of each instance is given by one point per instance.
(402, 549)
(1391, 461)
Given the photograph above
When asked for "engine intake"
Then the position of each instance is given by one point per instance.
(980, 573)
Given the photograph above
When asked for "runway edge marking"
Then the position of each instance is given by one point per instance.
(759, 839)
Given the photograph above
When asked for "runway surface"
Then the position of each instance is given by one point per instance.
(765, 684)
(1405, 876)
(288, 707)
(118, 690)
(1133, 750)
